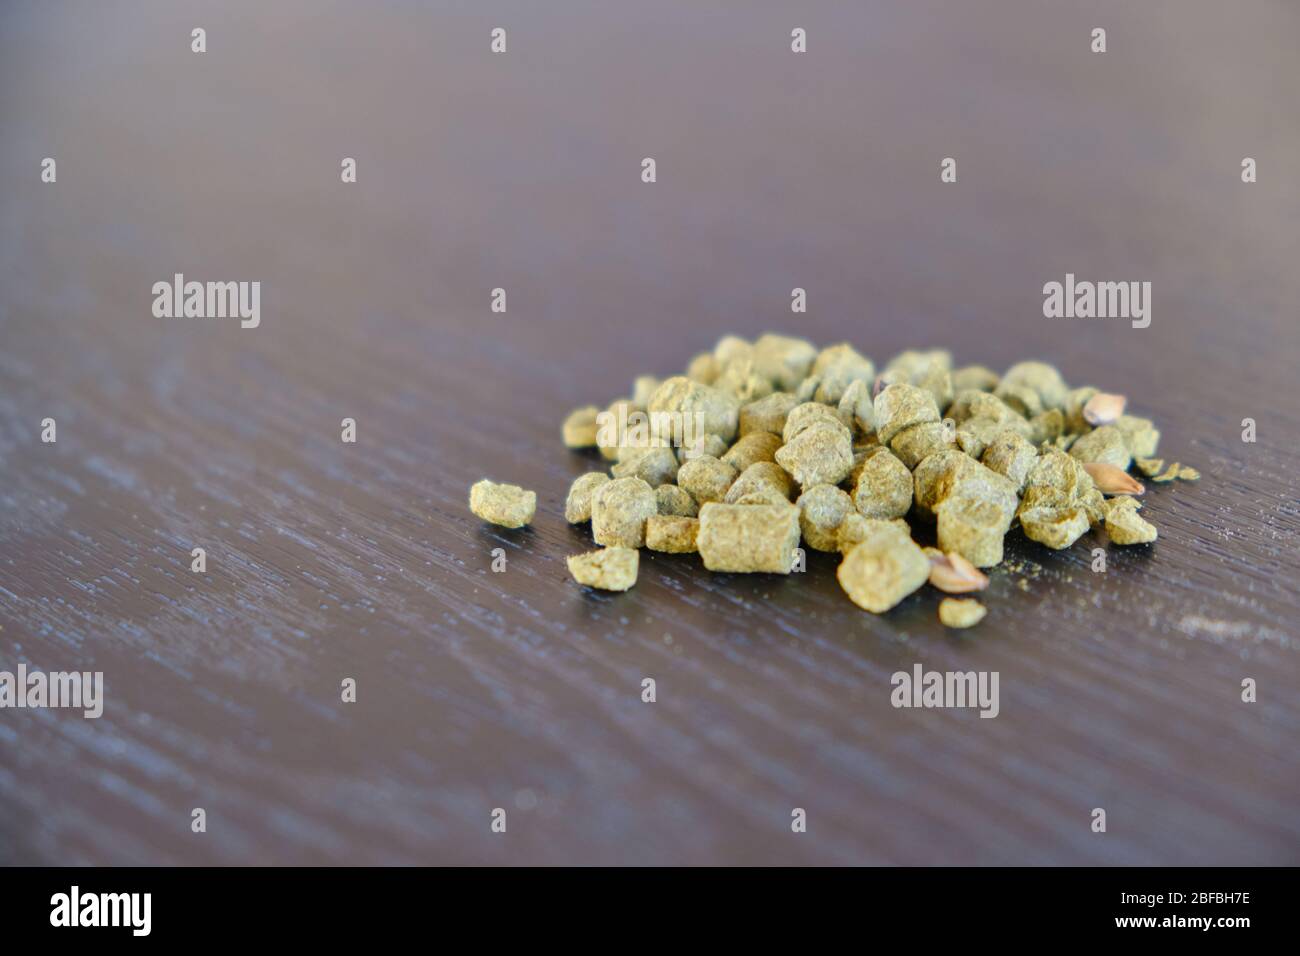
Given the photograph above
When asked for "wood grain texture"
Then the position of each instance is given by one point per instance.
(520, 690)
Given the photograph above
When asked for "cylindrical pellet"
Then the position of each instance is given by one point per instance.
(748, 537)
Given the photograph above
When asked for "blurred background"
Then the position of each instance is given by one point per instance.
(522, 171)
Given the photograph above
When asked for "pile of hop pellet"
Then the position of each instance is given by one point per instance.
(762, 445)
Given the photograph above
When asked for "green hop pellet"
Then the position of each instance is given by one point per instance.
(856, 529)
(884, 487)
(751, 448)
(808, 414)
(822, 509)
(1011, 456)
(1055, 527)
(1124, 526)
(837, 367)
(917, 442)
(820, 454)
(972, 526)
(1041, 378)
(975, 377)
(654, 466)
(1140, 435)
(673, 534)
(900, 406)
(706, 444)
(783, 360)
(748, 538)
(764, 478)
(679, 396)
(1105, 444)
(577, 506)
(579, 429)
(610, 569)
(672, 500)
(507, 505)
(767, 414)
(619, 511)
(878, 572)
(704, 368)
(740, 379)
(706, 478)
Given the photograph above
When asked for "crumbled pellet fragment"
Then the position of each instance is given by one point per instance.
(1044, 380)
(1176, 470)
(1056, 527)
(705, 444)
(748, 538)
(822, 509)
(820, 454)
(672, 500)
(756, 446)
(709, 409)
(1140, 435)
(619, 511)
(610, 569)
(808, 414)
(577, 506)
(704, 368)
(1124, 525)
(881, 570)
(579, 429)
(973, 526)
(1011, 456)
(953, 574)
(1150, 467)
(740, 379)
(884, 487)
(1105, 444)
(783, 360)
(915, 443)
(857, 408)
(900, 406)
(765, 478)
(674, 534)
(961, 612)
(1104, 408)
(1111, 481)
(654, 466)
(767, 414)
(975, 377)
(507, 505)
(706, 478)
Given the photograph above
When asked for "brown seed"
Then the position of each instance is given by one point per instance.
(953, 574)
(1104, 408)
(1111, 480)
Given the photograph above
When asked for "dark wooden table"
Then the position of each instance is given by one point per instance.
(520, 690)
